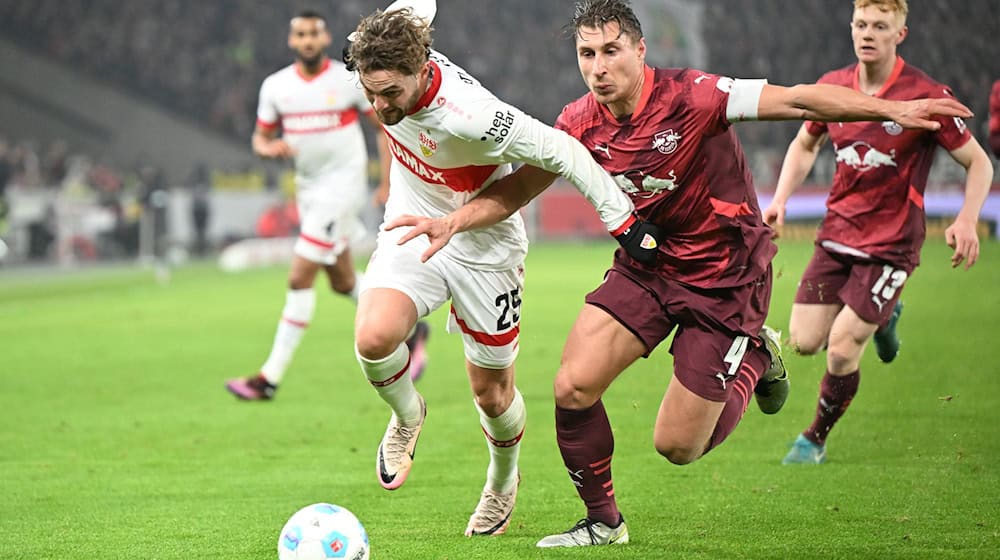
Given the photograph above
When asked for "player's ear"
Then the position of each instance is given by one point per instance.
(903, 32)
(640, 48)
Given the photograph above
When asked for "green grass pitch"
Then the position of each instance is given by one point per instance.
(118, 440)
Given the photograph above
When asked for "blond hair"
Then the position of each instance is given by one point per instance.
(395, 41)
(898, 6)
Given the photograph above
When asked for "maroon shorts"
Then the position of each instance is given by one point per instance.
(716, 328)
(869, 287)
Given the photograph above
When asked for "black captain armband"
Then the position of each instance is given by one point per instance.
(641, 240)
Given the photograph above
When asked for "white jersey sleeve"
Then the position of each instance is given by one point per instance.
(267, 111)
(512, 136)
(423, 9)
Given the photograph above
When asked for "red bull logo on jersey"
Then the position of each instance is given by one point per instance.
(862, 156)
(666, 141)
(638, 184)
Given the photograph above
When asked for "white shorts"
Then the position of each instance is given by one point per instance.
(485, 305)
(328, 226)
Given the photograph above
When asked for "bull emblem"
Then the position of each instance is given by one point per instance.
(872, 158)
(666, 141)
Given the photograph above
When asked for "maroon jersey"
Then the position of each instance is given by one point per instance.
(685, 171)
(876, 203)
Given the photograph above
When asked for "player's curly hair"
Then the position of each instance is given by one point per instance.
(395, 41)
(598, 13)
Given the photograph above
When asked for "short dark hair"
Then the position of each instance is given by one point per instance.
(310, 14)
(394, 41)
(598, 13)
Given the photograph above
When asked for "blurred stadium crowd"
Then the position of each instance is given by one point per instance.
(204, 61)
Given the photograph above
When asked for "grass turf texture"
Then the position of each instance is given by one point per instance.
(120, 442)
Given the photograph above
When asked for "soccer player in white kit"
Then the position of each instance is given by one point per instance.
(450, 139)
(316, 103)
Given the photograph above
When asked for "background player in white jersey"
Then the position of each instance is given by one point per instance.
(451, 138)
(316, 102)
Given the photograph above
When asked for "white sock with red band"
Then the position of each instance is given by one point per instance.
(503, 438)
(295, 318)
(391, 378)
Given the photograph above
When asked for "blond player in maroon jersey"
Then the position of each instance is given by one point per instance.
(869, 242)
(665, 137)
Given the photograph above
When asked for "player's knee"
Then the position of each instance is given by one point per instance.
(803, 344)
(300, 281)
(678, 454)
(342, 286)
(373, 344)
(841, 359)
(572, 395)
(492, 400)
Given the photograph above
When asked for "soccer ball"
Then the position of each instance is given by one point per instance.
(321, 531)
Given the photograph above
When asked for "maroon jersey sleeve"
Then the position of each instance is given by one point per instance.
(707, 97)
(562, 121)
(995, 119)
(954, 133)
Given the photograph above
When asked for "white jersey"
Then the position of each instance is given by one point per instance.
(458, 139)
(319, 117)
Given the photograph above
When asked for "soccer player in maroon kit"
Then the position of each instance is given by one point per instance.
(870, 240)
(665, 136)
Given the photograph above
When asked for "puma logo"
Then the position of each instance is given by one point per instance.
(722, 379)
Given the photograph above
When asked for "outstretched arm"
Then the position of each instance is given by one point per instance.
(961, 235)
(799, 159)
(830, 103)
(493, 205)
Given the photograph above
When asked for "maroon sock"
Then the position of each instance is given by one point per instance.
(835, 395)
(752, 368)
(587, 444)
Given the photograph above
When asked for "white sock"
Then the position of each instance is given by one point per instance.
(391, 378)
(358, 278)
(503, 438)
(295, 317)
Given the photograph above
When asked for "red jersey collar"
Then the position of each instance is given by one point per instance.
(896, 71)
(432, 91)
(649, 75)
(307, 78)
